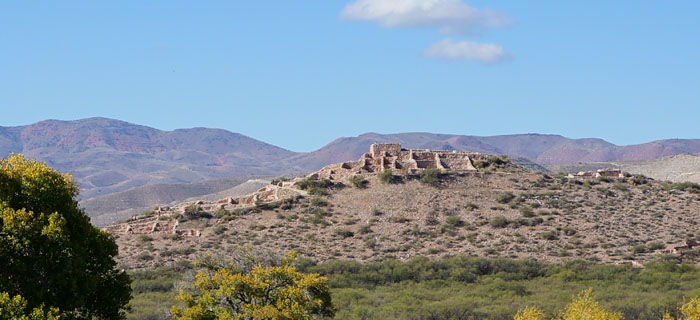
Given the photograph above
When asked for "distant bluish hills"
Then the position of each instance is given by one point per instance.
(108, 156)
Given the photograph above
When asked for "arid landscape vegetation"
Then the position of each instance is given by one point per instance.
(499, 214)
(355, 159)
(410, 227)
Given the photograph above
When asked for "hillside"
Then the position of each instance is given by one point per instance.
(118, 206)
(498, 209)
(678, 168)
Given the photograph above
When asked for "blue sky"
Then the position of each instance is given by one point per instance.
(299, 74)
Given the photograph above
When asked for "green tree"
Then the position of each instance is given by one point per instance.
(16, 308)
(50, 254)
(227, 291)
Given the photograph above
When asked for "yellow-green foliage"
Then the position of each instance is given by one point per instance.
(274, 292)
(50, 254)
(690, 310)
(15, 308)
(584, 307)
(529, 313)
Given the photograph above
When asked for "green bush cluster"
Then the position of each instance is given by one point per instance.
(463, 287)
(315, 187)
(505, 197)
(431, 176)
(466, 287)
(358, 182)
(387, 176)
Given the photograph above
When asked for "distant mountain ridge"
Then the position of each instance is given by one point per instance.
(107, 156)
(539, 148)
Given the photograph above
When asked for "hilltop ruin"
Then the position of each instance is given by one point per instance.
(380, 157)
(391, 156)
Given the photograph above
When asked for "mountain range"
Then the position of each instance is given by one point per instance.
(109, 156)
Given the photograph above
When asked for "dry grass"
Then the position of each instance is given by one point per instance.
(550, 219)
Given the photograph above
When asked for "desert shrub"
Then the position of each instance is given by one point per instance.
(387, 176)
(494, 161)
(549, 235)
(568, 231)
(144, 238)
(358, 182)
(244, 211)
(377, 212)
(431, 218)
(399, 219)
(345, 233)
(639, 249)
(653, 246)
(684, 186)
(220, 229)
(527, 212)
(621, 187)
(192, 211)
(262, 205)
(454, 221)
(221, 213)
(318, 191)
(499, 222)
(277, 180)
(289, 202)
(144, 256)
(605, 179)
(319, 202)
(505, 197)
(431, 176)
(470, 206)
(195, 212)
(365, 229)
(315, 187)
(257, 227)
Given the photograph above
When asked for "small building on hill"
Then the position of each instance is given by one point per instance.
(606, 173)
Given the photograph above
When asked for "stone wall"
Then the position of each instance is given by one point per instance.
(391, 156)
(382, 149)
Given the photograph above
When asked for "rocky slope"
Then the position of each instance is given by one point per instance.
(118, 206)
(499, 210)
(678, 168)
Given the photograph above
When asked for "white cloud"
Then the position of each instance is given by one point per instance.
(449, 16)
(488, 53)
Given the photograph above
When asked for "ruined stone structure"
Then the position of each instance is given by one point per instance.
(379, 158)
(606, 173)
(391, 156)
(162, 220)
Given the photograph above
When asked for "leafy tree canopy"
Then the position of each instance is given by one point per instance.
(16, 308)
(50, 254)
(229, 291)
